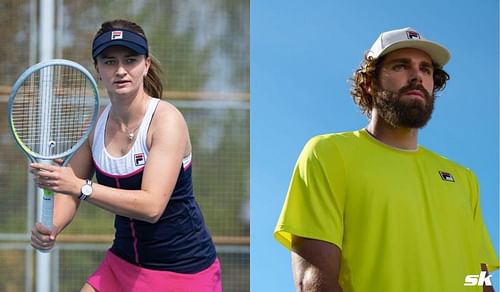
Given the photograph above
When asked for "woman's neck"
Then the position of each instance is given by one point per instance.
(129, 111)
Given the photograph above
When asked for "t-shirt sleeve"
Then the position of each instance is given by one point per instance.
(314, 204)
(484, 245)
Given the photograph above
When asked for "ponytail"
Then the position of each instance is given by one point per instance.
(153, 84)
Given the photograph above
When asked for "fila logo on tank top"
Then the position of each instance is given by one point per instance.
(132, 162)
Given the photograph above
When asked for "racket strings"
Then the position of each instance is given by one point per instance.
(53, 109)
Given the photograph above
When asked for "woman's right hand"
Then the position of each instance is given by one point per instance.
(42, 238)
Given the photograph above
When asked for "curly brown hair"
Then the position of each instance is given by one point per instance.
(368, 72)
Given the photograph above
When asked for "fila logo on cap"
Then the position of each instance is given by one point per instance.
(446, 176)
(117, 35)
(412, 35)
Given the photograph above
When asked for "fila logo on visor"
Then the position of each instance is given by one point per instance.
(446, 176)
(117, 35)
(412, 35)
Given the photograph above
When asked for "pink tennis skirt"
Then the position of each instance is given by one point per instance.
(116, 274)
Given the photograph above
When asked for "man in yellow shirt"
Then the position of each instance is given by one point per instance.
(371, 210)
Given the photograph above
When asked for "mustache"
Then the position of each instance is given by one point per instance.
(418, 87)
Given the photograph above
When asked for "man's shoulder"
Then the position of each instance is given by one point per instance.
(330, 146)
(330, 139)
(443, 160)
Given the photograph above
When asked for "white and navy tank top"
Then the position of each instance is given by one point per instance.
(179, 241)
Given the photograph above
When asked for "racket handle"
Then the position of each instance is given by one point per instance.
(47, 209)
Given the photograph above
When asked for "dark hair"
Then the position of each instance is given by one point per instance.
(153, 84)
(367, 74)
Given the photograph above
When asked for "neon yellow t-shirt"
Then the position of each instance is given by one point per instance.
(404, 220)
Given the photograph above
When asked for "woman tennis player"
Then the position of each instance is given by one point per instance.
(140, 153)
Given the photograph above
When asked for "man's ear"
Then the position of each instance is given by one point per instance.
(368, 87)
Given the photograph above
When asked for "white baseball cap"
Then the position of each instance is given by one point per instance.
(408, 38)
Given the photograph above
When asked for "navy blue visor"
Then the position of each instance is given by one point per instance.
(125, 38)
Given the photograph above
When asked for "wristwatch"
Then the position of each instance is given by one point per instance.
(86, 190)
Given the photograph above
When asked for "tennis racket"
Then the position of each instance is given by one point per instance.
(52, 109)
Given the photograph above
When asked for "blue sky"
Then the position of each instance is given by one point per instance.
(302, 55)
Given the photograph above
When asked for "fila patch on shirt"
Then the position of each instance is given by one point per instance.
(139, 159)
(446, 176)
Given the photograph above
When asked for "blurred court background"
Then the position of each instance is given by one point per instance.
(203, 47)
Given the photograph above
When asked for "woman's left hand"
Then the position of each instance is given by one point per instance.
(56, 178)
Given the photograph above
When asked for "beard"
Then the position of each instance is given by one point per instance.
(404, 113)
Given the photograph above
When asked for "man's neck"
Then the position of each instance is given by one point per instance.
(402, 138)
